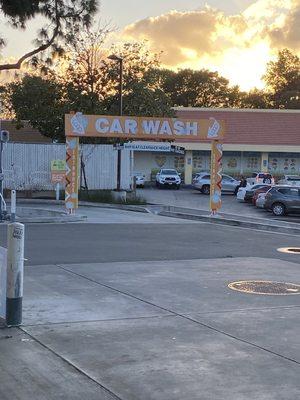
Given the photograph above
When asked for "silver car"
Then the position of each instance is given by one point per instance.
(202, 182)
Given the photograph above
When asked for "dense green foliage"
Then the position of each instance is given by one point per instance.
(283, 80)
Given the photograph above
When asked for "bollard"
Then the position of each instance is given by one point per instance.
(13, 205)
(57, 188)
(15, 270)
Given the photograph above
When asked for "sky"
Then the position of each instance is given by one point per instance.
(237, 38)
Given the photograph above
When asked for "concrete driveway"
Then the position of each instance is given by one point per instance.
(190, 198)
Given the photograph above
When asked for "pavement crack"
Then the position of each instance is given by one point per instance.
(71, 364)
(98, 320)
(181, 315)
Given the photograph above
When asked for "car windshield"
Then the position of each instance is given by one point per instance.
(169, 172)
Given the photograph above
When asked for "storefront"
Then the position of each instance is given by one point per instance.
(256, 140)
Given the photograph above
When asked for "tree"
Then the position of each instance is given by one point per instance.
(65, 19)
(283, 80)
(254, 99)
(203, 88)
(89, 86)
(44, 102)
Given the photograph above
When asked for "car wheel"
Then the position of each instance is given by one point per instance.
(177, 187)
(278, 209)
(205, 189)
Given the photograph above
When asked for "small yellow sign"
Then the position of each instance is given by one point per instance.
(58, 166)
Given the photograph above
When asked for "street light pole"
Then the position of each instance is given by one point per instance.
(119, 162)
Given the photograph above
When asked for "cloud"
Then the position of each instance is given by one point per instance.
(179, 34)
(288, 34)
(210, 38)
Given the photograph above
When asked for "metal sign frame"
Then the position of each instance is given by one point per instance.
(148, 128)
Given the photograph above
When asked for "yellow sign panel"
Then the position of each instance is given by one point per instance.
(72, 173)
(216, 176)
(58, 165)
(80, 125)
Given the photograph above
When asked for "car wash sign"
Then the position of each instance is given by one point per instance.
(81, 125)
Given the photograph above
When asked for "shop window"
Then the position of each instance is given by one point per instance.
(179, 162)
(232, 163)
(252, 163)
(289, 165)
(197, 162)
(273, 164)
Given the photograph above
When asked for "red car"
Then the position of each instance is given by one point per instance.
(263, 189)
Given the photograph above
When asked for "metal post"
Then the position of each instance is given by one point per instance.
(13, 205)
(1, 179)
(121, 88)
(119, 161)
(57, 191)
(15, 271)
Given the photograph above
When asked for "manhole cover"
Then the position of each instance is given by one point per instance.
(293, 250)
(265, 287)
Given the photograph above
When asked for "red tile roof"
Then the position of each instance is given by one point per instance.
(25, 134)
(260, 127)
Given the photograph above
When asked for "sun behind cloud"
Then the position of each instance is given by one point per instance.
(238, 46)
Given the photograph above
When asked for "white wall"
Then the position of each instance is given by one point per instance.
(145, 161)
(27, 166)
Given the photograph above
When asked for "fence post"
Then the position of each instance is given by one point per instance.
(15, 271)
(13, 205)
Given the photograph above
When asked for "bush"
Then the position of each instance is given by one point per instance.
(105, 196)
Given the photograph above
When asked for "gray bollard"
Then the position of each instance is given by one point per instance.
(15, 271)
(13, 206)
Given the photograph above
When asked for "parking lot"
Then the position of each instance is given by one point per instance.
(190, 198)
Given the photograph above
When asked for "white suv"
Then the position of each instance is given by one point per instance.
(168, 177)
(260, 177)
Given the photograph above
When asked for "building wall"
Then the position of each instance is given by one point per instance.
(149, 163)
(235, 163)
(27, 166)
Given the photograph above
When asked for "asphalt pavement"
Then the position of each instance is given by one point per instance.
(104, 242)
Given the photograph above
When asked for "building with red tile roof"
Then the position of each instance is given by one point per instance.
(256, 140)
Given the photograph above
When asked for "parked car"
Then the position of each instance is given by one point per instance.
(261, 177)
(283, 200)
(261, 200)
(202, 183)
(263, 189)
(139, 179)
(251, 190)
(242, 191)
(168, 177)
(290, 180)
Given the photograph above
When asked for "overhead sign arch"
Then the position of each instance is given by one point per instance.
(142, 128)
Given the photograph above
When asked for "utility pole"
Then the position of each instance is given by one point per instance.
(120, 61)
(4, 138)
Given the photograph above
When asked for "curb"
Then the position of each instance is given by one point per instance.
(230, 222)
(128, 207)
(48, 220)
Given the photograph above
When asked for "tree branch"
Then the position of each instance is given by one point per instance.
(17, 65)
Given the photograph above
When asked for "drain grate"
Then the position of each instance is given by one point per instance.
(292, 250)
(265, 287)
